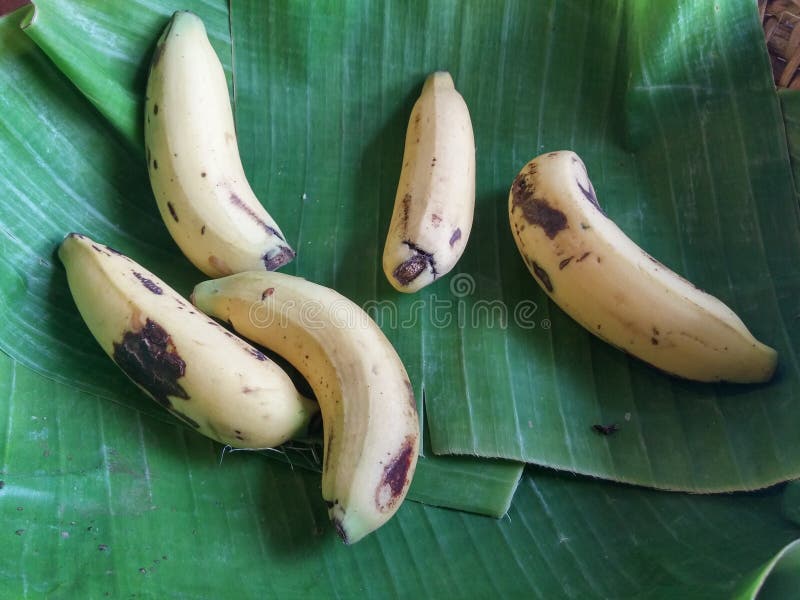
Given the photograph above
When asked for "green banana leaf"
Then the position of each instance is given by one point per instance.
(681, 130)
(102, 495)
(779, 578)
(486, 486)
(126, 504)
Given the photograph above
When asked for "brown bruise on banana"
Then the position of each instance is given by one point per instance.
(148, 356)
(411, 268)
(219, 265)
(536, 211)
(172, 212)
(542, 276)
(406, 208)
(395, 476)
(275, 259)
(588, 192)
(241, 205)
(149, 284)
(411, 399)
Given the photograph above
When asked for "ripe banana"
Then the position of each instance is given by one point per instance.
(369, 417)
(435, 199)
(612, 287)
(211, 379)
(193, 159)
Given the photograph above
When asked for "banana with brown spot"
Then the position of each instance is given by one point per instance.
(369, 416)
(435, 200)
(608, 284)
(207, 376)
(193, 159)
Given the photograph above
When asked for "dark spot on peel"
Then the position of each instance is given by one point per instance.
(395, 477)
(455, 237)
(155, 164)
(564, 263)
(406, 208)
(148, 283)
(411, 268)
(203, 230)
(155, 109)
(257, 353)
(113, 251)
(337, 524)
(150, 359)
(277, 258)
(96, 248)
(606, 429)
(654, 341)
(267, 292)
(172, 211)
(203, 174)
(589, 194)
(542, 275)
(411, 398)
(240, 204)
(536, 210)
(583, 256)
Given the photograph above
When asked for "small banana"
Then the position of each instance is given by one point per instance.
(193, 159)
(435, 199)
(214, 381)
(612, 287)
(369, 417)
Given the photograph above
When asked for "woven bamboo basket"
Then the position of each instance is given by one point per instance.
(779, 19)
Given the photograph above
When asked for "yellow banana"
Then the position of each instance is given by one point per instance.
(435, 200)
(214, 381)
(193, 159)
(370, 422)
(612, 287)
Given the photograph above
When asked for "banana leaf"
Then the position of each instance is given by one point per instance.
(101, 494)
(126, 504)
(780, 577)
(682, 133)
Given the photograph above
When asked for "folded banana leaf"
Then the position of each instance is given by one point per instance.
(123, 504)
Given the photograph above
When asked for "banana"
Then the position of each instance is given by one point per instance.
(369, 416)
(617, 291)
(193, 159)
(211, 379)
(435, 200)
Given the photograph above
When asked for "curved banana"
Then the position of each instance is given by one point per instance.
(435, 200)
(193, 159)
(214, 381)
(369, 416)
(612, 287)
